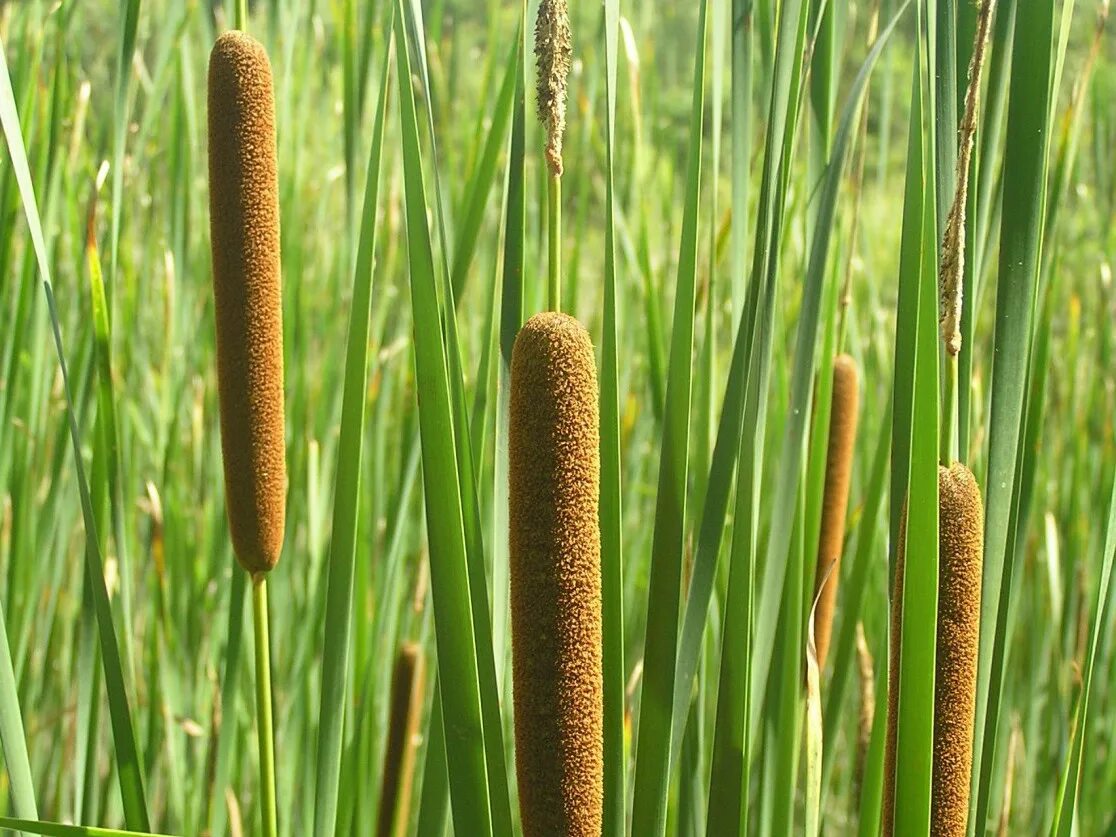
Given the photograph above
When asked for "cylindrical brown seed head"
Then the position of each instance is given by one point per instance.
(554, 480)
(835, 503)
(960, 557)
(244, 232)
(407, 679)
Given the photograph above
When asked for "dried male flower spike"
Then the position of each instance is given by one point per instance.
(553, 54)
(554, 482)
(244, 232)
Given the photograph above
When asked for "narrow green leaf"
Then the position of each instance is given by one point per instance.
(56, 829)
(1069, 787)
(453, 618)
(346, 493)
(128, 764)
(1021, 227)
(652, 770)
(611, 511)
(484, 176)
(915, 726)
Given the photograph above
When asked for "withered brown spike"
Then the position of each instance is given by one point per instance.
(244, 233)
(554, 57)
(555, 550)
(407, 681)
(960, 555)
(838, 471)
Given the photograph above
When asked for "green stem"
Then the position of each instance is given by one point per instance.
(263, 705)
(947, 442)
(554, 235)
(242, 15)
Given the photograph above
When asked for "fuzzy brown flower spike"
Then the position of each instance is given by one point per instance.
(960, 556)
(554, 481)
(553, 52)
(244, 232)
(959, 582)
(838, 473)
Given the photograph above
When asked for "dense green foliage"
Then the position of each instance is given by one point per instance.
(750, 187)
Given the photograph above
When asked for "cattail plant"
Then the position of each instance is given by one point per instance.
(244, 231)
(960, 533)
(554, 475)
(960, 554)
(838, 471)
(407, 679)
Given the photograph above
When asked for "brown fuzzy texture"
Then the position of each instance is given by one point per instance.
(835, 504)
(554, 476)
(407, 680)
(554, 57)
(960, 557)
(244, 231)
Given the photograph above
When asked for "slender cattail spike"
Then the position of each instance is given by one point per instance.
(407, 680)
(867, 676)
(244, 231)
(553, 52)
(960, 557)
(838, 470)
(554, 476)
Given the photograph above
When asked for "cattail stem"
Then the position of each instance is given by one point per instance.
(242, 15)
(554, 241)
(263, 706)
(948, 441)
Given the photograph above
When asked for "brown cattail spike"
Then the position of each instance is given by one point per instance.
(838, 470)
(867, 677)
(407, 679)
(554, 476)
(960, 556)
(553, 53)
(960, 559)
(244, 230)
